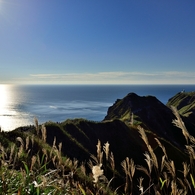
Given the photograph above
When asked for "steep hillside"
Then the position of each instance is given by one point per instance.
(184, 102)
(79, 138)
(148, 112)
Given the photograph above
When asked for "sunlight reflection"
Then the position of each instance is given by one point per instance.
(10, 116)
(6, 100)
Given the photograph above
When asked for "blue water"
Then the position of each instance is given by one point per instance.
(20, 104)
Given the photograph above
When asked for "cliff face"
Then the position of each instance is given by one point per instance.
(184, 102)
(150, 113)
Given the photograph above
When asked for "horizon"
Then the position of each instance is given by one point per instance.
(91, 85)
(104, 42)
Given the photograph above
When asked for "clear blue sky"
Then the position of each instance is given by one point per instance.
(97, 41)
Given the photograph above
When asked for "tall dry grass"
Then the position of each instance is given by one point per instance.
(49, 172)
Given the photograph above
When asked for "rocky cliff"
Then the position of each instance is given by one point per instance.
(153, 115)
(185, 103)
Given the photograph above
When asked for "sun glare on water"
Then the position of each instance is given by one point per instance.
(6, 100)
(10, 116)
(4, 104)
(6, 112)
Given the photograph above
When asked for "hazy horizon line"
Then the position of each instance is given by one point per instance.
(107, 78)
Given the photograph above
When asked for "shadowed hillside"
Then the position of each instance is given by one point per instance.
(149, 112)
(185, 104)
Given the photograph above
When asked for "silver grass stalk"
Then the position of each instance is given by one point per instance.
(20, 140)
(60, 149)
(54, 160)
(145, 139)
(33, 160)
(97, 172)
(186, 169)
(187, 183)
(143, 135)
(129, 169)
(27, 142)
(171, 168)
(45, 153)
(183, 185)
(21, 146)
(11, 153)
(179, 123)
(192, 139)
(3, 153)
(162, 163)
(38, 160)
(190, 151)
(59, 153)
(36, 125)
(112, 163)
(140, 186)
(75, 164)
(155, 162)
(83, 168)
(54, 142)
(174, 188)
(99, 152)
(167, 179)
(106, 150)
(44, 133)
(143, 169)
(162, 147)
(132, 168)
(68, 162)
(124, 164)
(149, 162)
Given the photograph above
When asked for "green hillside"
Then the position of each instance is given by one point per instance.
(136, 144)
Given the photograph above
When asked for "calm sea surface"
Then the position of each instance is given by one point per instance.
(20, 104)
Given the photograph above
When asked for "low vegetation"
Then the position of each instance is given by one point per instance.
(29, 165)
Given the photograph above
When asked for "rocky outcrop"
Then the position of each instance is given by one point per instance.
(184, 102)
(150, 113)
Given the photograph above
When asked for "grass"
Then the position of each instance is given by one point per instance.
(29, 165)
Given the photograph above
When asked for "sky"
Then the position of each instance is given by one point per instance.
(97, 42)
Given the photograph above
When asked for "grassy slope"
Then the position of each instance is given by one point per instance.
(79, 138)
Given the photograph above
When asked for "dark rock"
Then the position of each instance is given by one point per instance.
(151, 113)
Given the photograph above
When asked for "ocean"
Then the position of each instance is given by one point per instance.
(19, 104)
